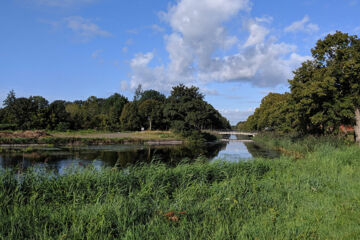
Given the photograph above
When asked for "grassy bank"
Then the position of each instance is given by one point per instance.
(299, 146)
(316, 197)
(94, 138)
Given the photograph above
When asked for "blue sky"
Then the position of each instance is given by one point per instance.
(235, 51)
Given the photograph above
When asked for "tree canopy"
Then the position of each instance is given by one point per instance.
(184, 111)
(324, 93)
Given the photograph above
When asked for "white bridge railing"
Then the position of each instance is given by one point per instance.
(235, 133)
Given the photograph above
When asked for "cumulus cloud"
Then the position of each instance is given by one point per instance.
(199, 33)
(146, 76)
(257, 32)
(303, 26)
(84, 28)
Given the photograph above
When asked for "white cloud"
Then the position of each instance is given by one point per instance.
(62, 3)
(258, 33)
(265, 19)
(84, 28)
(302, 26)
(124, 85)
(146, 76)
(208, 91)
(236, 115)
(199, 33)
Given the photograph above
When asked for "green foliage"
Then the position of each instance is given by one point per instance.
(57, 114)
(326, 90)
(151, 112)
(152, 95)
(188, 113)
(185, 111)
(313, 198)
(130, 118)
(36, 113)
(274, 113)
(7, 126)
(324, 93)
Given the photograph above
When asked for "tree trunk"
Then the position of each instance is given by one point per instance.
(357, 126)
(150, 123)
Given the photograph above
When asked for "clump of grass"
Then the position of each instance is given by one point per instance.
(316, 198)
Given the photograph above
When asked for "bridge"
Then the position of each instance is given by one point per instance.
(236, 133)
(235, 140)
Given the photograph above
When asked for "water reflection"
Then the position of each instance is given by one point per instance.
(61, 158)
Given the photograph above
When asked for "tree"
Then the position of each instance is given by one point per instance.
(339, 54)
(21, 111)
(327, 89)
(274, 113)
(151, 110)
(186, 111)
(9, 115)
(10, 99)
(130, 119)
(153, 95)
(113, 106)
(39, 112)
(58, 117)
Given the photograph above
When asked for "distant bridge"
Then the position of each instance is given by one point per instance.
(236, 133)
(235, 140)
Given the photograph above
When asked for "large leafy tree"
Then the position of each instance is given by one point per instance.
(153, 95)
(21, 112)
(113, 107)
(39, 112)
(187, 111)
(151, 112)
(274, 113)
(58, 117)
(326, 90)
(130, 118)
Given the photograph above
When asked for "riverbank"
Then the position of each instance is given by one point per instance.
(90, 138)
(297, 146)
(312, 197)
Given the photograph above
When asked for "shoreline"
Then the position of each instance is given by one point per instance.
(38, 138)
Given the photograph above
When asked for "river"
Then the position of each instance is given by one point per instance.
(231, 148)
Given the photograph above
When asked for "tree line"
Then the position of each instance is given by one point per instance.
(184, 111)
(324, 92)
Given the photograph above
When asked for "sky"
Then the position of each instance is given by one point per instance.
(235, 51)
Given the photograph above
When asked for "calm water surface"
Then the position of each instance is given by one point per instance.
(61, 158)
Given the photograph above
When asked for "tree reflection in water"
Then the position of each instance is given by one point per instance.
(121, 156)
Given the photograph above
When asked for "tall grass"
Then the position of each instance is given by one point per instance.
(296, 145)
(315, 198)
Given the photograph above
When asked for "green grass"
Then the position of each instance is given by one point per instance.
(298, 146)
(316, 197)
(65, 141)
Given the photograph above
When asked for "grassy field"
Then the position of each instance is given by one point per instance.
(316, 196)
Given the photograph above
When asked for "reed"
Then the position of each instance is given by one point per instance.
(316, 197)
